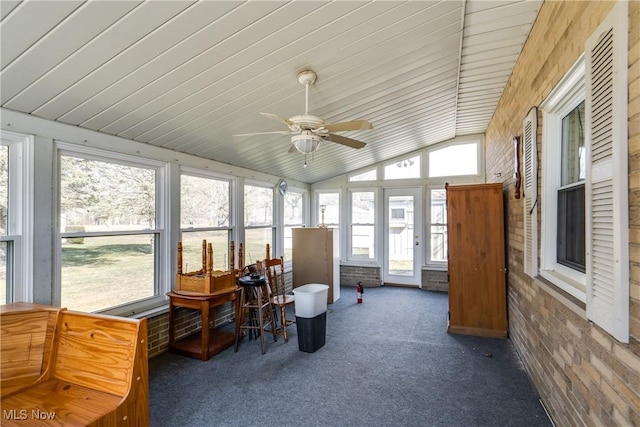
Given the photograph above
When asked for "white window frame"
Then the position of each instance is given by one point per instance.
(565, 97)
(285, 225)
(272, 226)
(199, 173)
(162, 268)
(479, 160)
(349, 253)
(405, 158)
(316, 216)
(354, 177)
(20, 212)
(432, 264)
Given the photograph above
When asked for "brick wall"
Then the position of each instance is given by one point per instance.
(369, 276)
(435, 280)
(187, 323)
(583, 375)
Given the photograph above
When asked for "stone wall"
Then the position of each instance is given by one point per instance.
(584, 376)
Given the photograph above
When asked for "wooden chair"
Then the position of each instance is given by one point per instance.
(274, 269)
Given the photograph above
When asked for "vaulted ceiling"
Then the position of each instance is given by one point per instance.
(189, 75)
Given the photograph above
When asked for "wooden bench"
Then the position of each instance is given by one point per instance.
(62, 367)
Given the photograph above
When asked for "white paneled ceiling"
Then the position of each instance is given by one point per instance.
(189, 75)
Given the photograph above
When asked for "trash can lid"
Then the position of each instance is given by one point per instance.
(252, 281)
(310, 288)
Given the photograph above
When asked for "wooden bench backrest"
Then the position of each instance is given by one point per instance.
(26, 336)
(97, 351)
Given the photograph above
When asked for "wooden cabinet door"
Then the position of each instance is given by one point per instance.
(477, 287)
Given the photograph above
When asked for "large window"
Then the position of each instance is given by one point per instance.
(563, 238)
(109, 235)
(205, 214)
(16, 208)
(259, 227)
(5, 246)
(363, 207)
(293, 217)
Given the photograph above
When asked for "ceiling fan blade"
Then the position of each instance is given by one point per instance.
(278, 118)
(349, 142)
(345, 126)
(275, 132)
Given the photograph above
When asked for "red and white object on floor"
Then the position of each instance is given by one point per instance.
(359, 292)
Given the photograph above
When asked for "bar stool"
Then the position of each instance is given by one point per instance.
(256, 312)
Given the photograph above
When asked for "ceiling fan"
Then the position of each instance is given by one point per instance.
(308, 131)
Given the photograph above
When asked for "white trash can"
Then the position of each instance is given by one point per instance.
(311, 316)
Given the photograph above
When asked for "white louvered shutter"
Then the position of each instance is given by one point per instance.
(530, 184)
(606, 194)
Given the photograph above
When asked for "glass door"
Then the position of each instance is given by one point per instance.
(402, 231)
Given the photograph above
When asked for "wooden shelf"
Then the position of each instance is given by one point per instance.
(191, 345)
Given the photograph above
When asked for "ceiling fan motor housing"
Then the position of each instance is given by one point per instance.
(307, 122)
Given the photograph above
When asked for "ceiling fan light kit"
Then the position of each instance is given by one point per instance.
(308, 131)
(306, 144)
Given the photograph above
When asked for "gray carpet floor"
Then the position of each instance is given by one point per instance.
(386, 362)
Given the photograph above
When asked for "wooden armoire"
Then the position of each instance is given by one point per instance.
(477, 262)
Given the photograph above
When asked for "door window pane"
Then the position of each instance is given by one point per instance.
(401, 236)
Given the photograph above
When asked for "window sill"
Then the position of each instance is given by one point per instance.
(566, 299)
(432, 267)
(353, 263)
(567, 281)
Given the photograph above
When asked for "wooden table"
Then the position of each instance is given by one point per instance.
(209, 341)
